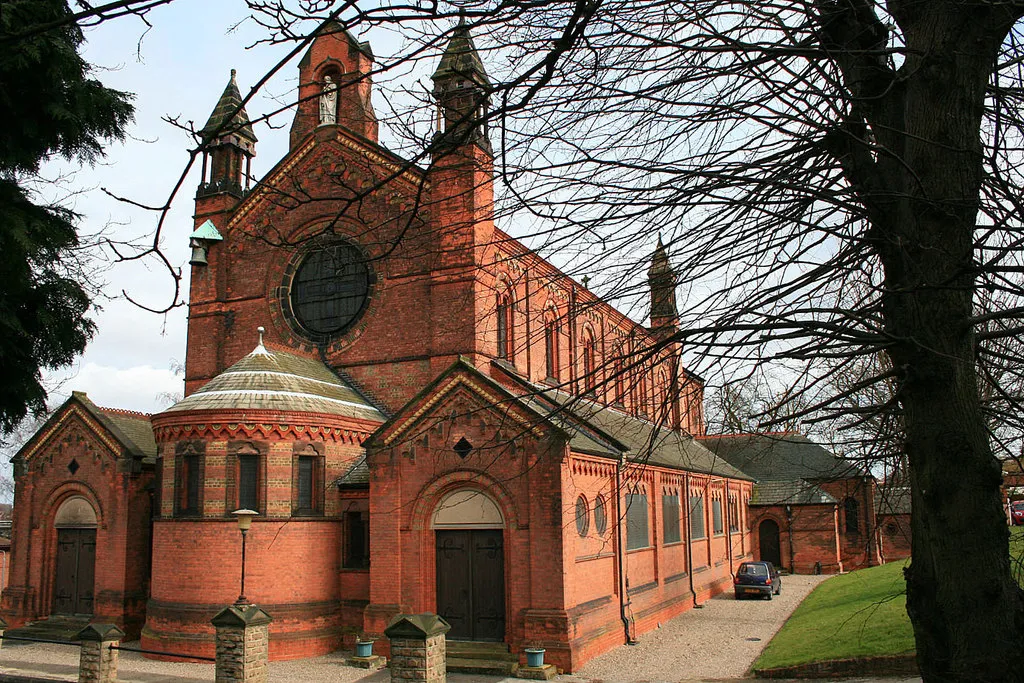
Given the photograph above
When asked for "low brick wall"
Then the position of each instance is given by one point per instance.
(895, 665)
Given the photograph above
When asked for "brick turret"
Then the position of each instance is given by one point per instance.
(228, 145)
(662, 281)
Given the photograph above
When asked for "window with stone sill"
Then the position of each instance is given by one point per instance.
(716, 517)
(696, 517)
(188, 479)
(307, 481)
(637, 529)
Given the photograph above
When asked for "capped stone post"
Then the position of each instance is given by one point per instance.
(97, 662)
(243, 636)
(418, 650)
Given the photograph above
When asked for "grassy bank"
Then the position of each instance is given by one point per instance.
(860, 614)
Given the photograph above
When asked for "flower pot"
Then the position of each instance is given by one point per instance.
(364, 648)
(535, 656)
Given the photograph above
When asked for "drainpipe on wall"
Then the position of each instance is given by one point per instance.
(689, 539)
(728, 528)
(618, 549)
(789, 523)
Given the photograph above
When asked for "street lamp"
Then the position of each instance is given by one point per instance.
(244, 517)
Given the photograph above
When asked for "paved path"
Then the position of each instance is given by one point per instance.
(719, 641)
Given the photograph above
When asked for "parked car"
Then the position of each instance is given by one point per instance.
(1017, 512)
(759, 579)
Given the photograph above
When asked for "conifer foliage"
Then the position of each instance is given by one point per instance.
(50, 107)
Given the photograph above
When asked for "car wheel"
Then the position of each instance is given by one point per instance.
(778, 591)
(769, 595)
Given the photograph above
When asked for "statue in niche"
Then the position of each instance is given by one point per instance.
(329, 102)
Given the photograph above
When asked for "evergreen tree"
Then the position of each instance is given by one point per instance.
(51, 107)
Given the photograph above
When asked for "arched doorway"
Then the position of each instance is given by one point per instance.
(470, 552)
(768, 537)
(74, 574)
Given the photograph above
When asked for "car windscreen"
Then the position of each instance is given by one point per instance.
(753, 570)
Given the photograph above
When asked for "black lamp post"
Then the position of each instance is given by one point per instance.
(244, 518)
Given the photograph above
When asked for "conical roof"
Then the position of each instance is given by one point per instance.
(279, 381)
(461, 59)
(230, 101)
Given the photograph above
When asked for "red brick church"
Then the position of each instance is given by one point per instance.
(426, 415)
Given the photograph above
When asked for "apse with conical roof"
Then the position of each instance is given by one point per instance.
(228, 143)
(462, 88)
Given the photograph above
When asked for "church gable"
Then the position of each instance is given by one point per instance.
(462, 403)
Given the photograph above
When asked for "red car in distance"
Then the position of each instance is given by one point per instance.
(1017, 512)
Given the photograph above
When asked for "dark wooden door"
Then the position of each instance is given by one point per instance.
(76, 565)
(471, 583)
(768, 535)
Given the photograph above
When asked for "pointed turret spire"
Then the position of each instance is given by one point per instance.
(461, 87)
(230, 101)
(460, 59)
(662, 280)
(226, 143)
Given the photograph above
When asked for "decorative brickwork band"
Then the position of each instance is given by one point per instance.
(243, 635)
(98, 661)
(418, 650)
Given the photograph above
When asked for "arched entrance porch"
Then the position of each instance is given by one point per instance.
(470, 556)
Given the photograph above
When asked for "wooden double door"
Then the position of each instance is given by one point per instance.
(471, 583)
(76, 571)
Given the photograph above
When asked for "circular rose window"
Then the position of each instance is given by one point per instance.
(328, 290)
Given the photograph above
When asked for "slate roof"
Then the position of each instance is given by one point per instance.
(357, 476)
(133, 430)
(892, 500)
(589, 422)
(783, 456)
(280, 381)
(461, 59)
(230, 101)
(797, 492)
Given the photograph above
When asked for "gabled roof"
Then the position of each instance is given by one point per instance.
(796, 492)
(230, 102)
(641, 441)
(460, 58)
(892, 500)
(782, 456)
(133, 431)
(268, 379)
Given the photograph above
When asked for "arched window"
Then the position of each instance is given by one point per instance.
(620, 384)
(551, 347)
(851, 509)
(506, 345)
(589, 361)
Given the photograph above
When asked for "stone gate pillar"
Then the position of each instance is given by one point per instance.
(418, 650)
(97, 662)
(243, 638)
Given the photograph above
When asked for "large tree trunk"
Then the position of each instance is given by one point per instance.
(966, 610)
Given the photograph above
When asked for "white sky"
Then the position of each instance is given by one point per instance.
(180, 70)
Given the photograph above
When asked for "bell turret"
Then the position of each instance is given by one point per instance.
(461, 88)
(662, 280)
(227, 145)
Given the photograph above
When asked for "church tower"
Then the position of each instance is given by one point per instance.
(228, 146)
(662, 281)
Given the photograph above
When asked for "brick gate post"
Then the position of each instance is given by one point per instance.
(243, 637)
(97, 662)
(418, 648)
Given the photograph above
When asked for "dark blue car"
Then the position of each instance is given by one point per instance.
(757, 579)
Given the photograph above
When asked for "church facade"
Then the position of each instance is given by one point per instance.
(425, 415)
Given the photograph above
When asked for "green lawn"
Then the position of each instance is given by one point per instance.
(860, 614)
(863, 613)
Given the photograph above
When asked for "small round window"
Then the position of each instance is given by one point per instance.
(582, 516)
(329, 290)
(600, 516)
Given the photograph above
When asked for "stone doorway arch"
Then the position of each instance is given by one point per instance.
(75, 564)
(470, 561)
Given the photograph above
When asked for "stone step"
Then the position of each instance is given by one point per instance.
(480, 667)
(54, 628)
(461, 649)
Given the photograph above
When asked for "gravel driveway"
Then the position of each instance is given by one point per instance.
(721, 640)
